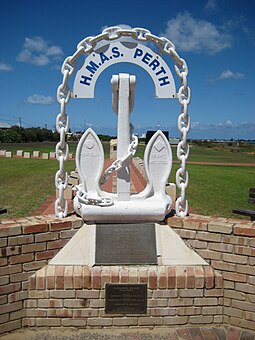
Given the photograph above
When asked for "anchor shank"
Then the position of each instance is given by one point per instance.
(123, 109)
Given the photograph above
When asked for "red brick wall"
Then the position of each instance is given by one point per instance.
(228, 245)
(26, 245)
(75, 296)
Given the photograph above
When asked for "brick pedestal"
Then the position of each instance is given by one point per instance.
(228, 245)
(75, 296)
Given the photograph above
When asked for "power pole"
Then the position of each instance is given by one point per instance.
(19, 122)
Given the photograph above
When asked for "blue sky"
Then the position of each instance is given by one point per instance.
(216, 38)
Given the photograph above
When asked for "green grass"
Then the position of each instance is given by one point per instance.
(46, 147)
(197, 153)
(26, 184)
(202, 154)
(216, 190)
(213, 190)
(30, 147)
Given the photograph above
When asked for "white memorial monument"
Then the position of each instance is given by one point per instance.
(116, 45)
(121, 228)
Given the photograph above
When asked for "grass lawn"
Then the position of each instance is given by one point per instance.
(213, 190)
(197, 153)
(30, 147)
(216, 190)
(202, 154)
(26, 183)
(46, 147)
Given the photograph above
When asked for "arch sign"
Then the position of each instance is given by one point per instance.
(128, 52)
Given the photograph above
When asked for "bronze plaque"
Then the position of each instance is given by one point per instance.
(126, 298)
(125, 244)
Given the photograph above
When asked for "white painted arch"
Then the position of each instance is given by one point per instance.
(124, 52)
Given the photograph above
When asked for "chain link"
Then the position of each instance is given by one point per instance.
(120, 163)
(83, 198)
(88, 45)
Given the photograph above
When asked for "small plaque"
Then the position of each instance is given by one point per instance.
(126, 298)
(125, 244)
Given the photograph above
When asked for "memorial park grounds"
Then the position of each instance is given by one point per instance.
(214, 189)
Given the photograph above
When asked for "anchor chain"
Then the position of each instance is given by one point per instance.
(83, 198)
(62, 150)
(120, 163)
(86, 46)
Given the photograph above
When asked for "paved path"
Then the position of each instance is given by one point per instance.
(183, 333)
(220, 163)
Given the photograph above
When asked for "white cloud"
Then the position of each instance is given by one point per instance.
(36, 44)
(123, 26)
(200, 36)
(226, 74)
(211, 5)
(5, 67)
(195, 125)
(223, 130)
(26, 56)
(54, 51)
(39, 52)
(228, 124)
(40, 99)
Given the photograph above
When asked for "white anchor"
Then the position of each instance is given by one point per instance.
(94, 204)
